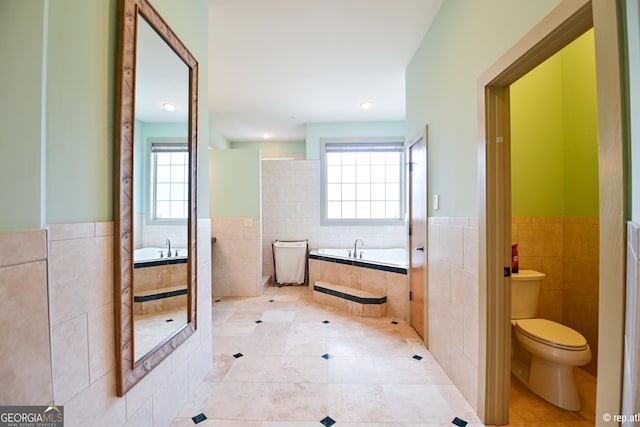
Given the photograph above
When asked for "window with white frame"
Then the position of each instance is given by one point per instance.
(169, 181)
(362, 181)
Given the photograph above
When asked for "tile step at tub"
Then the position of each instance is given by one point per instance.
(153, 294)
(355, 301)
(161, 299)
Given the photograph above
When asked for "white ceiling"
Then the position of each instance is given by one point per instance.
(276, 65)
(161, 77)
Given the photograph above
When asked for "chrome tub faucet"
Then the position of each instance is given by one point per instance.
(167, 243)
(355, 248)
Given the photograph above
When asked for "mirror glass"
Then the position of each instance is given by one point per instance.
(155, 193)
(160, 191)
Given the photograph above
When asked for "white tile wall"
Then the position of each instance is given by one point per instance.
(631, 396)
(237, 268)
(291, 211)
(25, 360)
(453, 305)
(81, 336)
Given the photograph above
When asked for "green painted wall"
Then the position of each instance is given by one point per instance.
(57, 133)
(581, 127)
(235, 182)
(273, 147)
(82, 45)
(554, 150)
(216, 140)
(537, 148)
(465, 39)
(316, 131)
(21, 118)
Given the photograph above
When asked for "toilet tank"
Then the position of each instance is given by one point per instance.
(525, 290)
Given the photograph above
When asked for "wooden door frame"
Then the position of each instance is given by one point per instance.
(564, 24)
(422, 136)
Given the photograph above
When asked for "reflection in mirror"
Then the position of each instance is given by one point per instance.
(155, 193)
(160, 192)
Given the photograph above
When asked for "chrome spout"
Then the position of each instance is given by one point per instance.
(167, 243)
(355, 248)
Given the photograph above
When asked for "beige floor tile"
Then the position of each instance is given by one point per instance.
(397, 370)
(352, 370)
(358, 402)
(417, 403)
(371, 378)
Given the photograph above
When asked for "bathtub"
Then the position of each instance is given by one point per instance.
(149, 257)
(382, 271)
(394, 260)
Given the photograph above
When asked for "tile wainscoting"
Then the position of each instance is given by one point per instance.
(566, 249)
(453, 311)
(73, 263)
(237, 267)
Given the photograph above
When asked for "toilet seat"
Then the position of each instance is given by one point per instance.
(552, 334)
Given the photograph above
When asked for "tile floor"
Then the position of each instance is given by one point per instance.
(282, 360)
(153, 328)
(529, 410)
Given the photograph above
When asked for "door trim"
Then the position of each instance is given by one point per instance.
(564, 24)
(421, 136)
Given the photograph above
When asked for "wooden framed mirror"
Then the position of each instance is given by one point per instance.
(155, 193)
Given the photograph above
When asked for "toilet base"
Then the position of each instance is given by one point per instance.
(554, 383)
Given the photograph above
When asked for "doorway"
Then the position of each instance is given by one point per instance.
(563, 25)
(554, 208)
(418, 231)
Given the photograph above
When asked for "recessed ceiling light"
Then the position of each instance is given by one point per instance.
(366, 105)
(168, 106)
(265, 135)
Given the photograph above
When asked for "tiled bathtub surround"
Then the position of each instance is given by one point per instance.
(236, 257)
(566, 249)
(291, 211)
(394, 286)
(81, 309)
(453, 300)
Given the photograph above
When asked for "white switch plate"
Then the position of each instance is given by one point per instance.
(436, 202)
(248, 222)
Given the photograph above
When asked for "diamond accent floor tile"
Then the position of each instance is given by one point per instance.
(199, 418)
(459, 422)
(362, 357)
(327, 421)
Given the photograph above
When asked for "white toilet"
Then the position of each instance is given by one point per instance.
(544, 353)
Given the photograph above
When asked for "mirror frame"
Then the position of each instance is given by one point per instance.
(128, 370)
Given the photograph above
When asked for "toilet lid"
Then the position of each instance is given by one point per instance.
(552, 333)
